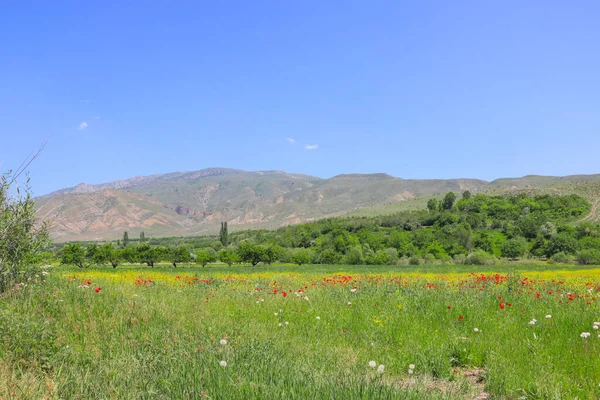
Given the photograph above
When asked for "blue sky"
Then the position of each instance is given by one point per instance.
(422, 89)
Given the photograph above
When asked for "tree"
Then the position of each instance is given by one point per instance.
(228, 256)
(125, 239)
(301, 256)
(432, 205)
(466, 195)
(91, 253)
(448, 201)
(108, 253)
(148, 255)
(142, 237)
(205, 256)
(74, 254)
(179, 254)
(514, 248)
(561, 243)
(223, 235)
(250, 253)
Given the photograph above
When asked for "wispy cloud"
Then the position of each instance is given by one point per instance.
(311, 146)
(82, 126)
(96, 117)
(291, 140)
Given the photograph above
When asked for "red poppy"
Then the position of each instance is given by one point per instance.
(460, 317)
(501, 305)
(449, 307)
(89, 283)
(284, 294)
(98, 289)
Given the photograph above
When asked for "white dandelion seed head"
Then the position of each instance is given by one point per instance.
(411, 366)
(280, 324)
(223, 342)
(372, 364)
(476, 329)
(319, 318)
(548, 316)
(287, 323)
(223, 363)
(380, 369)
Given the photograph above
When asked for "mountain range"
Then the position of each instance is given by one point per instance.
(193, 203)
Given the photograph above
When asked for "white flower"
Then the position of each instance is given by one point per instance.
(596, 323)
(319, 318)
(548, 316)
(532, 322)
(287, 323)
(262, 299)
(349, 303)
(596, 326)
(410, 371)
(411, 366)
(372, 364)
(276, 314)
(380, 369)
(223, 364)
(45, 273)
(280, 324)
(585, 335)
(353, 290)
(306, 298)
(223, 342)
(476, 330)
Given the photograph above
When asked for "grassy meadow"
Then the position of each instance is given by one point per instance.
(337, 332)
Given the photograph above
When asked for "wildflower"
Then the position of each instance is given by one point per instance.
(223, 342)
(287, 323)
(45, 273)
(276, 314)
(97, 290)
(280, 324)
(460, 317)
(449, 307)
(410, 371)
(501, 305)
(372, 364)
(319, 318)
(353, 290)
(596, 326)
(223, 364)
(533, 321)
(476, 330)
(284, 294)
(411, 366)
(380, 369)
(349, 304)
(548, 316)
(585, 335)
(306, 298)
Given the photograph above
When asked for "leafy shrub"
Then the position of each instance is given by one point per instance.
(459, 259)
(588, 257)
(480, 257)
(414, 260)
(562, 258)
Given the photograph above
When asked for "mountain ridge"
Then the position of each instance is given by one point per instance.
(196, 202)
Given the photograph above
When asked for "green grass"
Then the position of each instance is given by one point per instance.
(160, 339)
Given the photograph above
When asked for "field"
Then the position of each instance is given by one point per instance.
(303, 333)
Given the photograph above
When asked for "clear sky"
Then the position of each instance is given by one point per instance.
(417, 89)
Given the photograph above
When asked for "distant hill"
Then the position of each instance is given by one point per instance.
(191, 203)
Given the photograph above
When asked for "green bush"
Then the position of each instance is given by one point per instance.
(588, 257)
(480, 257)
(562, 258)
(414, 260)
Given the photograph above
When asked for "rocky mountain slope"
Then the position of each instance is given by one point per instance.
(190, 203)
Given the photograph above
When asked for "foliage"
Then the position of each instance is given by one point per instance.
(514, 248)
(20, 239)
